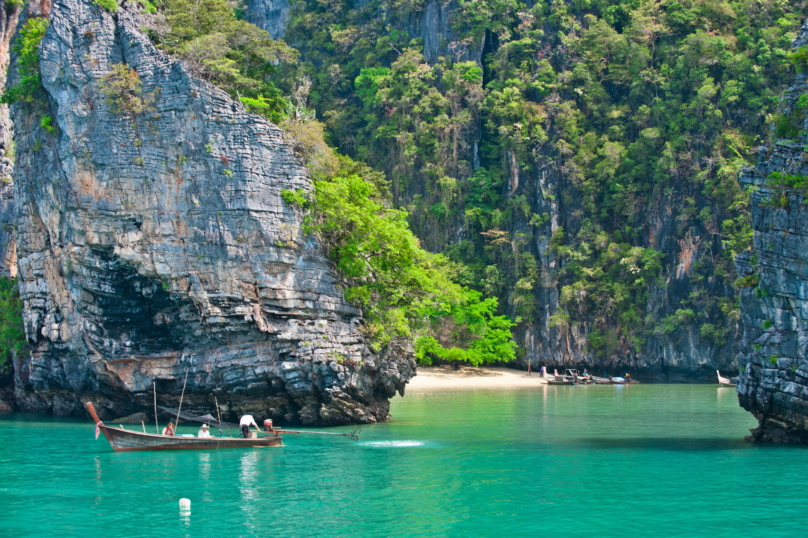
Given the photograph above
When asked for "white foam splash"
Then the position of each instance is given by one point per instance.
(393, 444)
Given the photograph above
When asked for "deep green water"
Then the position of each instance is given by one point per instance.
(643, 460)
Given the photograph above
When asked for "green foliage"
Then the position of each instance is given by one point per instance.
(123, 91)
(12, 332)
(788, 181)
(47, 123)
(789, 125)
(231, 53)
(27, 49)
(109, 5)
(148, 6)
(767, 324)
(712, 333)
(405, 292)
(298, 198)
(748, 281)
(678, 320)
(800, 58)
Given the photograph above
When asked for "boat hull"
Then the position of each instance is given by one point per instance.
(124, 440)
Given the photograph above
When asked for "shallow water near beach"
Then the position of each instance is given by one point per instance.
(640, 460)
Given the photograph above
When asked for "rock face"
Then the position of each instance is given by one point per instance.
(774, 383)
(432, 24)
(153, 242)
(269, 15)
(8, 246)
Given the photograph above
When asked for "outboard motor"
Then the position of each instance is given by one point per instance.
(268, 425)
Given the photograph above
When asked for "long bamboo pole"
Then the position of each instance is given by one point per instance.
(219, 414)
(182, 395)
(156, 426)
(353, 435)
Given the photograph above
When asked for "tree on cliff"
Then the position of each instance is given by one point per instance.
(12, 332)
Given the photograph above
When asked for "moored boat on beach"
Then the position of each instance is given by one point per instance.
(601, 380)
(724, 381)
(560, 380)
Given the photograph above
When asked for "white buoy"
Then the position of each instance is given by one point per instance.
(185, 504)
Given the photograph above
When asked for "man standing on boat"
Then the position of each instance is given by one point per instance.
(245, 423)
(203, 431)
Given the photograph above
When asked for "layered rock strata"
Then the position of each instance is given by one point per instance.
(154, 243)
(773, 385)
(8, 247)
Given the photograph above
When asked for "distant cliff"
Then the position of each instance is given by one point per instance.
(153, 242)
(578, 141)
(774, 302)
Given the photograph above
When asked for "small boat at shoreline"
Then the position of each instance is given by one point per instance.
(560, 381)
(122, 440)
(725, 381)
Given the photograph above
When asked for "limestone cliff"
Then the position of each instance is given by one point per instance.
(270, 15)
(774, 383)
(153, 241)
(8, 247)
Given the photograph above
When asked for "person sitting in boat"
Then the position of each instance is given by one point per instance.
(203, 431)
(245, 423)
(169, 430)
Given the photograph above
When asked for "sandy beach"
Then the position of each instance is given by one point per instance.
(444, 377)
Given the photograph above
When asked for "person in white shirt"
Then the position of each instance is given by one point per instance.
(203, 432)
(245, 423)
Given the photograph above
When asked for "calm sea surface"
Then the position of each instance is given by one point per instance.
(643, 460)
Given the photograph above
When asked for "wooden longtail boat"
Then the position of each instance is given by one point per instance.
(122, 440)
(724, 381)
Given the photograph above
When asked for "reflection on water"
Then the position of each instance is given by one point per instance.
(247, 482)
(661, 443)
(727, 392)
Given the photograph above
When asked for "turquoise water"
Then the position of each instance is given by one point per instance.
(642, 460)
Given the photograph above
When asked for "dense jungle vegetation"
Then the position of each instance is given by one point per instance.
(12, 333)
(608, 112)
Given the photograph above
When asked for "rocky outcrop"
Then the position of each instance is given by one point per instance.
(270, 15)
(774, 306)
(153, 243)
(432, 24)
(8, 247)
